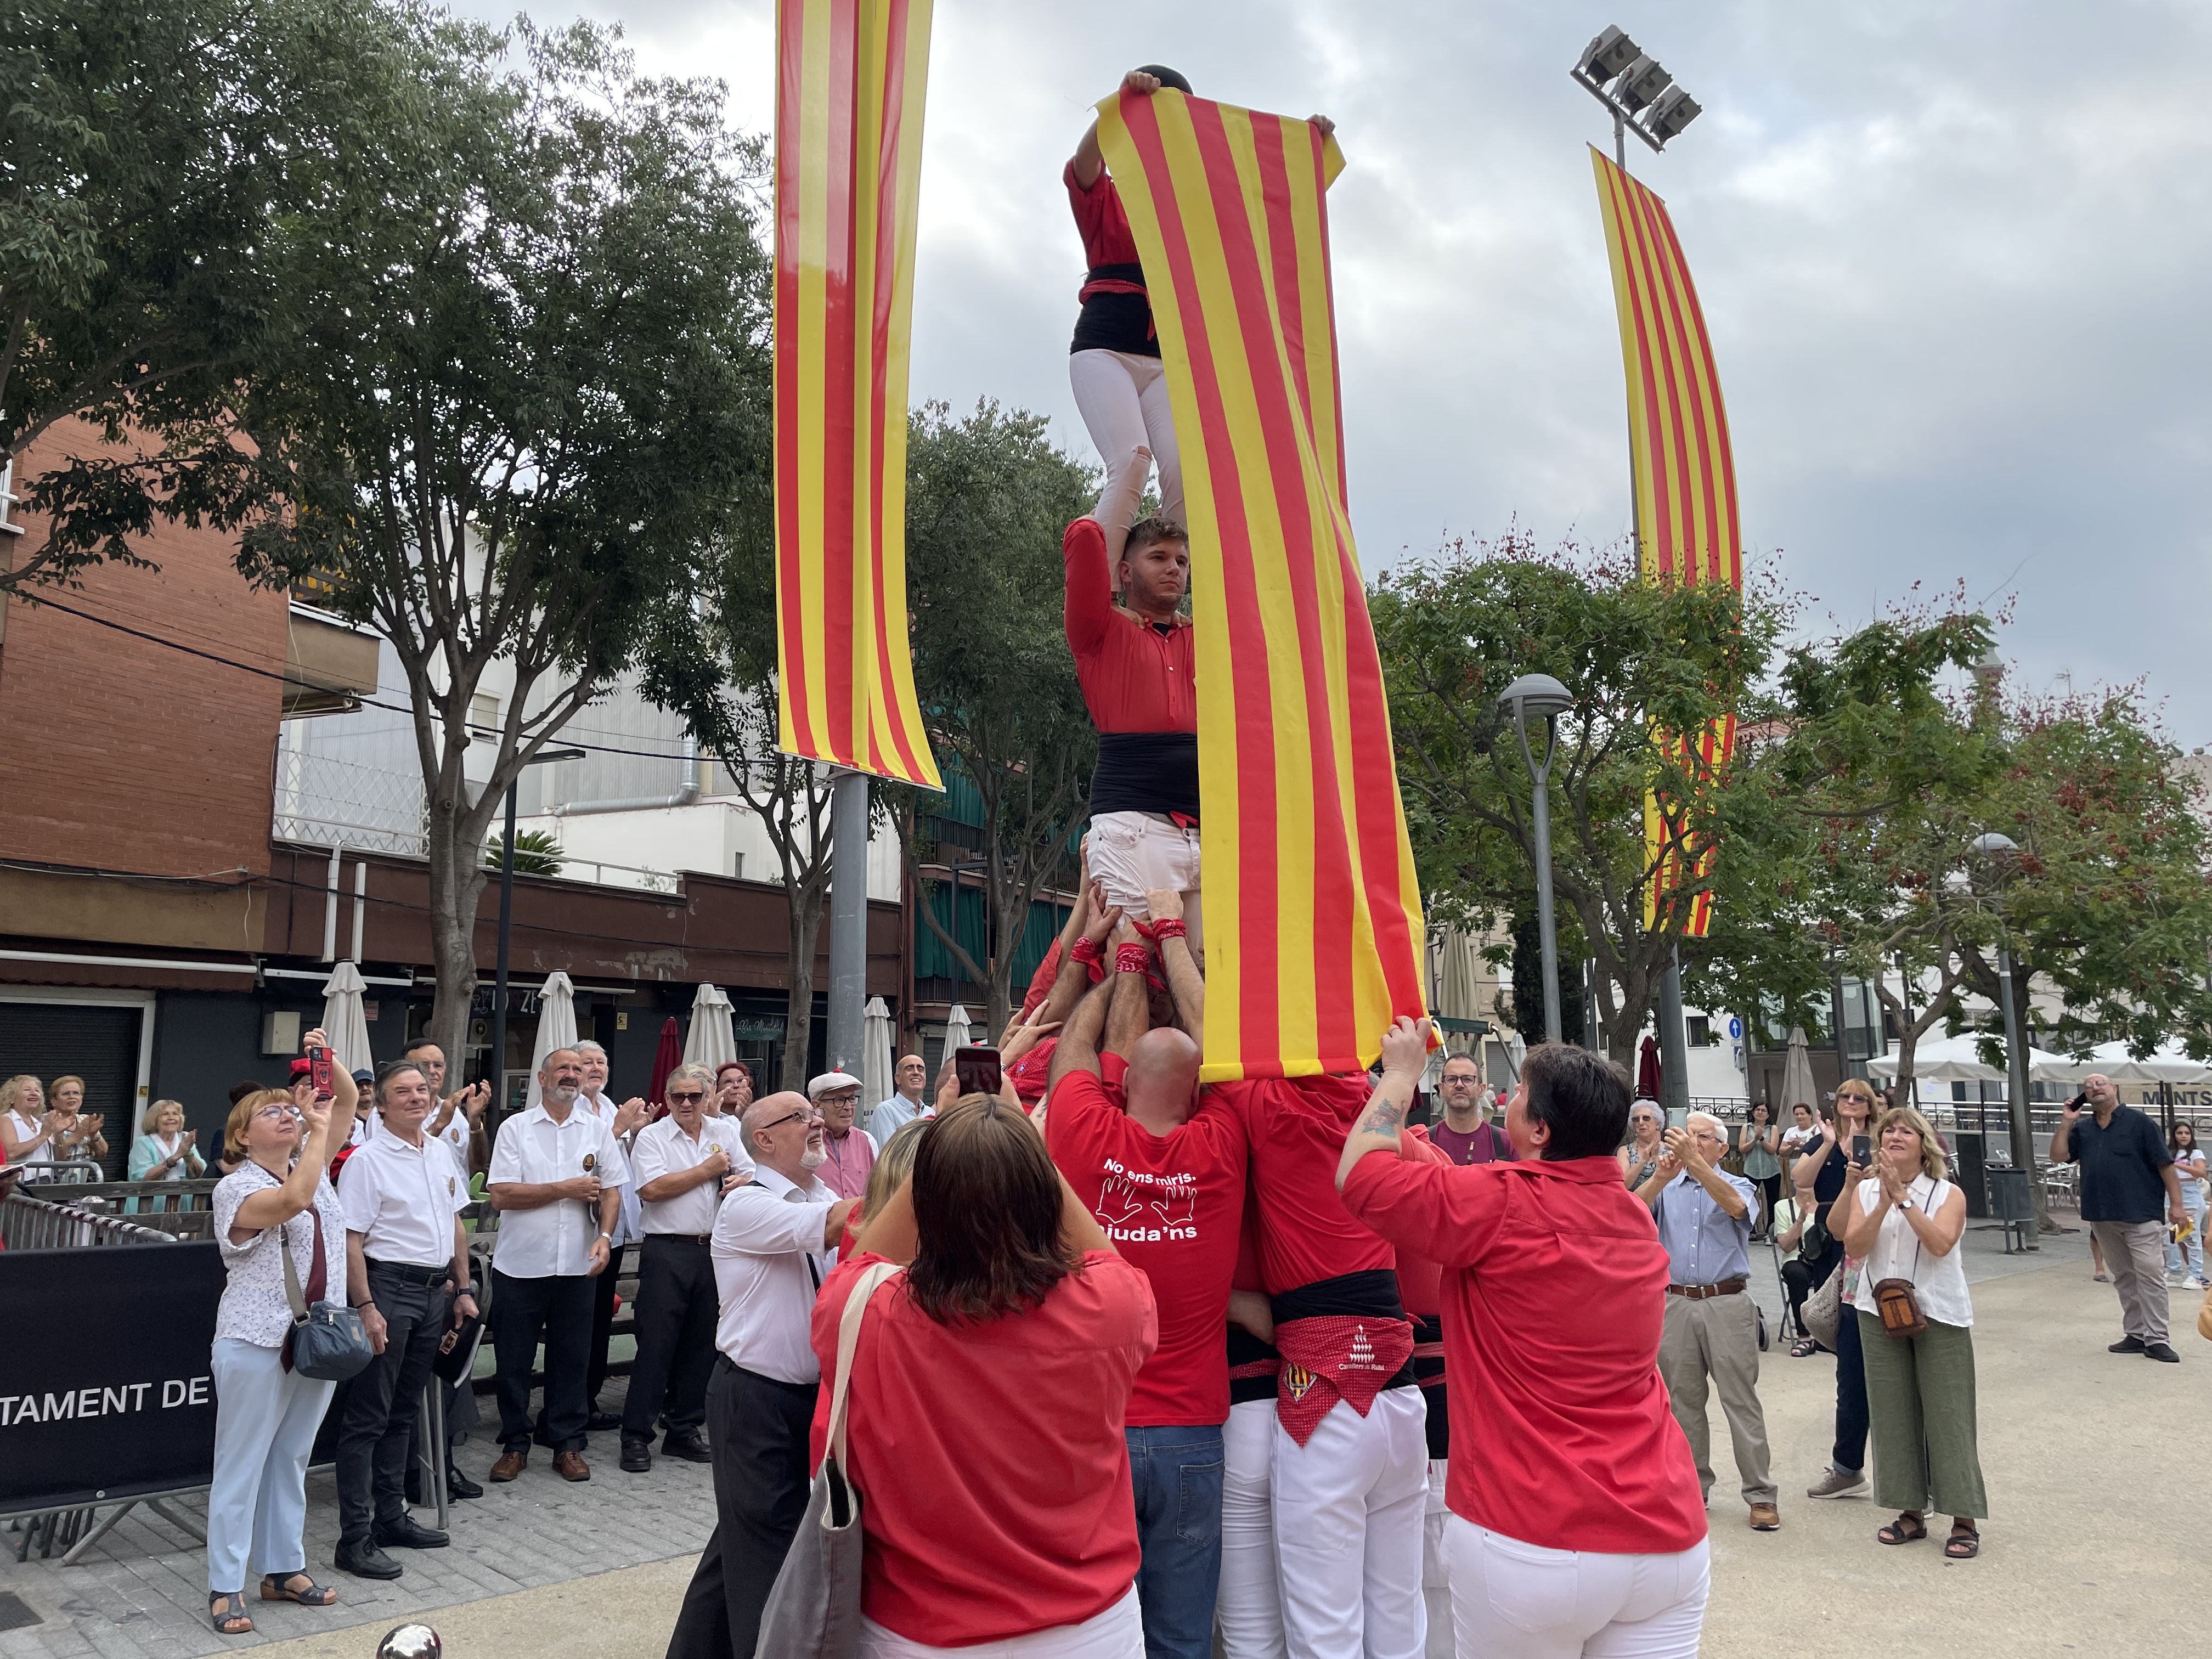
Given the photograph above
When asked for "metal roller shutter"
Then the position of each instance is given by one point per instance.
(100, 1045)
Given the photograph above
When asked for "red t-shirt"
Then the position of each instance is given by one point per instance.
(990, 1456)
(1100, 219)
(1554, 1292)
(1297, 1128)
(1134, 677)
(1174, 1206)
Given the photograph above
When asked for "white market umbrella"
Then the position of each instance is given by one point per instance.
(1958, 1060)
(2168, 1063)
(345, 1020)
(1797, 1084)
(955, 1028)
(875, 1052)
(712, 1039)
(556, 1027)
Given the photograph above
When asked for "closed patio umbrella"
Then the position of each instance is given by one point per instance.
(665, 1059)
(557, 1028)
(712, 1039)
(1797, 1084)
(875, 1052)
(345, 1021)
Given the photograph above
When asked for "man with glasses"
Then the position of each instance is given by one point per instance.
(775, 1242)
(733, 1090)
(459, 1119)
(1466, 1135)
(2127, 1177)
(852, 1152)
(625, 1121)
(681, 1167)
(1711, 1330)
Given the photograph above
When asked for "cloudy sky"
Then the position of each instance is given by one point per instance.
(1948, 254)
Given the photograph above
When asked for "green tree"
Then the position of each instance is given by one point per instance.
(987, 497)
(159, 166)
(1640, 660)
(525, 403)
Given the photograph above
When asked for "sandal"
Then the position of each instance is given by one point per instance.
(1965, 1542)
(1804, 1347)
(229, 1619)
(1907, 1529)
(274, 1588)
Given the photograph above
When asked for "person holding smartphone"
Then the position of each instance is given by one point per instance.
(2127, 1175)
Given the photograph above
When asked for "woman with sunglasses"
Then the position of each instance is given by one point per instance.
(1641, 1156)
(279, 1202)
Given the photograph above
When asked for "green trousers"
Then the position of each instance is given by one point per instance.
(1920, 1406)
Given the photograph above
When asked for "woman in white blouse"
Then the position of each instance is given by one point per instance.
(1920, 1389)
(266, 1413)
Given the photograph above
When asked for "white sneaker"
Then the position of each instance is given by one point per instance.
(1839, 1483)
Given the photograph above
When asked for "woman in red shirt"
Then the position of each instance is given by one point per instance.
(986, 1403)
(1576, 1524)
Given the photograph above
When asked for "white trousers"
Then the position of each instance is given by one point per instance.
(1123, 400)
(1436, 1577)
(1116, 1633)
(1248, 1610)
(1516, 1601)
(1134, 854)
(265, 1420)
(1348, 1522)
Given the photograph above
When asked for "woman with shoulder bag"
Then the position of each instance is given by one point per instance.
(279, 1202)
(1915, 1323)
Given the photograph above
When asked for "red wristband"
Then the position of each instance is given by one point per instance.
(1088, 952)
(1132, 959)
(1170, 927)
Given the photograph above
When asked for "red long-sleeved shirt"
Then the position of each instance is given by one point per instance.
(1134, 677)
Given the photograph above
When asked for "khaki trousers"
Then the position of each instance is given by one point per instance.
(1920, 1406)
(1716, 1338)
(2135, 1252)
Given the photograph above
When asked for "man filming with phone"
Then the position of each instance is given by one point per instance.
(2124, 1166)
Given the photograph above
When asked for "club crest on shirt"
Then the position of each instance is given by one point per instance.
(590, 1159)
(1296, 1381)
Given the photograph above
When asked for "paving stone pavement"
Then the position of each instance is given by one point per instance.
(142, 1589)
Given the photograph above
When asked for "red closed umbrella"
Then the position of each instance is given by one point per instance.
(665, 1059)
(1647, 1071)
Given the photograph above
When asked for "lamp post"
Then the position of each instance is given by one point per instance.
(2001, 854)
(542, 757)
(1541, 696)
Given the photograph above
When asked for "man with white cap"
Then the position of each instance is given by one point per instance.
(851, 1152)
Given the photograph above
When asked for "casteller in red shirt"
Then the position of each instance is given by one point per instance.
(1139, 683)
(1554, 1289)
(1297, 1128)
(1174, 1206)
(990, 1453)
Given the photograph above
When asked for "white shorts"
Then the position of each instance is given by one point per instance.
(1134, 854)
(1116, 1633)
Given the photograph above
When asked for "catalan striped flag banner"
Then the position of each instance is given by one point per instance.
(1687, 528)
(850, 79)
(1313, 915)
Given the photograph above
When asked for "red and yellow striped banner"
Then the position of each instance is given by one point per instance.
(850, 79)
(1313, 915)
(1687, 529)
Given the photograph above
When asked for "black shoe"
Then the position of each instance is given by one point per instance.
(636, 1457)
(459, 1486)
(409, 1534)
(691, 1446)
(366, 1561)
(2127, 1344)
(2161, 1350)
(600, 1422)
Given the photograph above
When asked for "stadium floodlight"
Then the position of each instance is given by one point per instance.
(1640, 83)
(1607, 55)
(1672, 111)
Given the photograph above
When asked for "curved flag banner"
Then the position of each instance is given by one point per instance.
(850, 79)
(1313, 915)
(1687, 529)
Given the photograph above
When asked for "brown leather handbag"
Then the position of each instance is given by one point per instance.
(1894, 1303)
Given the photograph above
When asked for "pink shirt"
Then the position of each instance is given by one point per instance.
(845, 1170)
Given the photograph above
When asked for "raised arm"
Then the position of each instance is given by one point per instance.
(1185, 982)
(1129, 1014)
(1088, 163)
(1404, 1055)
(273, 1205)
(1078, 1038)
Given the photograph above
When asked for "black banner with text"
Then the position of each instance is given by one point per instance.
(104, 1390)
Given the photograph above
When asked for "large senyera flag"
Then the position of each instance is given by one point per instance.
(1313, 915)
(850, 77)
(1687, 529)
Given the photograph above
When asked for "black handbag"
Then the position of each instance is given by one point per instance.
(325, 1343)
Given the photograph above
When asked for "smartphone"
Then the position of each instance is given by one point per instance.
(318, 1068)
(977, 1069)
(1863, 1150)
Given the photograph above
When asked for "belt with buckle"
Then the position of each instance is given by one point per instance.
(1702, 1292)
(681, 1238)
(411, 1272)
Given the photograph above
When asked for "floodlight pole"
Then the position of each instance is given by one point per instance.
(1541, 801)
(1619, 140)
(849, 917)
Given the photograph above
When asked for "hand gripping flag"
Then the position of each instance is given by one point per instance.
(1313, 915)
(850, 78)
(1687, 529)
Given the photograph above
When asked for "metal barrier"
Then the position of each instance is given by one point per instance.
(183, 1209)
(37, 1224)
(72, 1172)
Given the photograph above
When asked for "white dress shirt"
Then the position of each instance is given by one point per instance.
(555, 1239)
(630, 1225)
(768, 1263)
(662, 1149)
(402, 1199)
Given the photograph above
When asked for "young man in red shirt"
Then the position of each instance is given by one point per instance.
(1165, 1178)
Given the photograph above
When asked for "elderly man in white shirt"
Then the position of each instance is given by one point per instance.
(679, 1168)
(556, 1179)
(625, 1120)
(775, 1242)
(459, 1118)
(911, 1077)
(403, 1194)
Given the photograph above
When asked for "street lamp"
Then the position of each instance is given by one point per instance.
(1543, 697)
(542, 757)
(1639, 93)
(2001, 854)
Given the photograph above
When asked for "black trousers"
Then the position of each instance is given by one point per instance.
(558, 1308)
(677, 1311)
(758, 1428)
(377, 1432)
(603, 1328)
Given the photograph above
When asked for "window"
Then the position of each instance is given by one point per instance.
(1700, 1034)
(8, 499)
